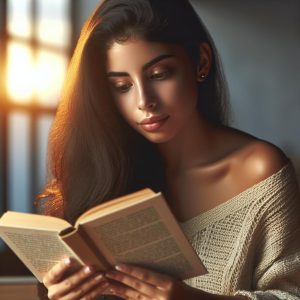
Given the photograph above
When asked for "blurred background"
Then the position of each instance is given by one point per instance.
(258, 42)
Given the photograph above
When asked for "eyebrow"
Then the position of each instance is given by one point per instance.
(145, 66)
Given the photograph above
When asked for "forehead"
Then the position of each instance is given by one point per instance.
(135, 53)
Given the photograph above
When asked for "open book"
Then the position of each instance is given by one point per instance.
(138, 228)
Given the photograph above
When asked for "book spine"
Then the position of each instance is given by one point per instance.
(83, 247)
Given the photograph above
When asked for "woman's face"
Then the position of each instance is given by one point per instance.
(154, 87)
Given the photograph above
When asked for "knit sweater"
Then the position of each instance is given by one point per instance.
(250, 244)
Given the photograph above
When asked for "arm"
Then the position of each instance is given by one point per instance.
(276, 274)
(277, 244)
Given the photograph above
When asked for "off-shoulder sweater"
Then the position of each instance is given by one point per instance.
(250, 244)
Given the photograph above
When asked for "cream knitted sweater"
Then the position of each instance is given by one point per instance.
(250, 244)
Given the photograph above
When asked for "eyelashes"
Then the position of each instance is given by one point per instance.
(161, 75)
(124, 86)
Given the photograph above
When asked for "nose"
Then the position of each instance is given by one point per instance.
(147, 105)
(146, 99)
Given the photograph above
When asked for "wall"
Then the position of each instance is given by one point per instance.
(259, 44)
(85, 7)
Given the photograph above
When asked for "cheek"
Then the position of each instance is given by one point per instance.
(126, 109)
(179, 95)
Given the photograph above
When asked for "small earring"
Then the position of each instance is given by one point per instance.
(201, 77)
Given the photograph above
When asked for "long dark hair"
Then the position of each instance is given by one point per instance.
(93, 154)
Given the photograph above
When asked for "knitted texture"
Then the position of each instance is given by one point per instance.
(250, 244)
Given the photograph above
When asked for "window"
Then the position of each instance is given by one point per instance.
(35, 42)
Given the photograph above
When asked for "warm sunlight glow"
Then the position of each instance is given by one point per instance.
(36, 77)
(19, 18)
(49, 76)
(19, 72)
(53, 26)
(54, 32)
(37, 74)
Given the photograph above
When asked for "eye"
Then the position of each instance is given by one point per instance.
(160, 75)
(122, 87)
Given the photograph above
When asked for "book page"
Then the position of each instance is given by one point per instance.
(39, 250)
(33, 221)
(145, 234)
(113, 205)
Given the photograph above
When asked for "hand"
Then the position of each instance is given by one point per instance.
(67, 281)
(130, 282)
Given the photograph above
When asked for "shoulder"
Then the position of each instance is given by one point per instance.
(260, 160)
(251, 159)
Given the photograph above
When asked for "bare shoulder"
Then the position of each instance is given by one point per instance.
(261, 160)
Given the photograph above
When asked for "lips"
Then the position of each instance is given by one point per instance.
(153, 123)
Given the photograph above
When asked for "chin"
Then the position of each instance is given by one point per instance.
(158, 138)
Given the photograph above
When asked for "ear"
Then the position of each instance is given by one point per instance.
(205, 61)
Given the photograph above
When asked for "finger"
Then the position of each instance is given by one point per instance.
(67, 285)
(57, 272)
(154, 278)
(113, 288)
(126, 292)
(90, 289)
(136, 284)
(97, 291)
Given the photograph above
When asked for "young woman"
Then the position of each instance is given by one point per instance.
(145, 106)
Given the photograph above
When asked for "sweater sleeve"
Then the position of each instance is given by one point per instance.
(277, 272)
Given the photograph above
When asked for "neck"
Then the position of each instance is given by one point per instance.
(192, 146)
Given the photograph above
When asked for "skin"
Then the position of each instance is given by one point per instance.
(145, 88)
(159, 80)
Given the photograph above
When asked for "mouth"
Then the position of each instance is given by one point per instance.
(154, 123)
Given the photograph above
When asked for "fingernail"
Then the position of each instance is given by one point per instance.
(88, 270)
(99, 277)
(111, 291)
(120, 267)
(104, 284)
(67, 261)
(110, 274)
